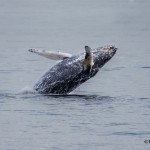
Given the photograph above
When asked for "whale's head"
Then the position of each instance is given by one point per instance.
(104, 54)
(108, 51)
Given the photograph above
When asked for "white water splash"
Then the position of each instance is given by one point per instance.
(27, 90)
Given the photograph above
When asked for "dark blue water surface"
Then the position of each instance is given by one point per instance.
(111, 111)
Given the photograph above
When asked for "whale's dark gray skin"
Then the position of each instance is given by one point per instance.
(68, 74)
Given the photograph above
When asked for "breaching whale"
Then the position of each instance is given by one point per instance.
(72, 71)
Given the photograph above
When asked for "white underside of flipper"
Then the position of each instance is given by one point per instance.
(51, 54)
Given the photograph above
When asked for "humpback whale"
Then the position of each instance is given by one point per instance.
(72, 70)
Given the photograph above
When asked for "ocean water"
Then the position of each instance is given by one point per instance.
(110, 111)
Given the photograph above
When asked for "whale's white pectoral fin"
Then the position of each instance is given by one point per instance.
(88, 60)
(51, 54)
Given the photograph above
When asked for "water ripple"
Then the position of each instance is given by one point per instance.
(130, 133)
(145, 67)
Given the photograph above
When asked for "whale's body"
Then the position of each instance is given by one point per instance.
(68, 74)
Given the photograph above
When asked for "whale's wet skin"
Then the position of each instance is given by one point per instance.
(67, 75)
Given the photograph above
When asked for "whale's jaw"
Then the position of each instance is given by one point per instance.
(102, 55)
